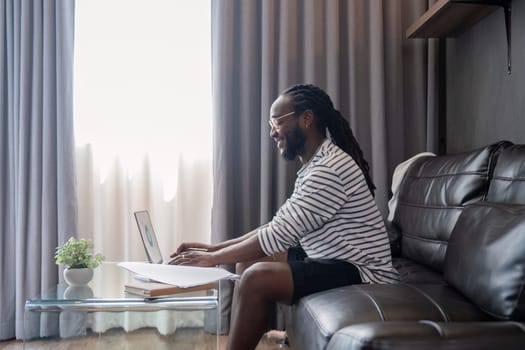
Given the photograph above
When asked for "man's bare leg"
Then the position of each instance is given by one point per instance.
(241, 267)
(260, 286)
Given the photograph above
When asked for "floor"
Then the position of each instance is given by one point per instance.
(146, 338)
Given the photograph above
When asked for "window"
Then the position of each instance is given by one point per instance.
(142, 105)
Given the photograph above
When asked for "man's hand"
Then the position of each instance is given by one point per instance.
(193, 257)
(193, 246)
(195, 254)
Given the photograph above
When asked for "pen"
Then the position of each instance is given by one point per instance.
(143, 278)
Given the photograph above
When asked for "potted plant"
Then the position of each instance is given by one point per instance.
(77, 257)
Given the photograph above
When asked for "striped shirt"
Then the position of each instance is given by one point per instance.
(333, 215)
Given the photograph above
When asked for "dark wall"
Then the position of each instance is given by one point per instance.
(485, 104)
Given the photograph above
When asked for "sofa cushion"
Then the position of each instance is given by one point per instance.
(428, 335)
(431, 197)
(486, 258)
(413, 273)
(507, 184)
(311, 323)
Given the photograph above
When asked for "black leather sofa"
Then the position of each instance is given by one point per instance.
(458, 240)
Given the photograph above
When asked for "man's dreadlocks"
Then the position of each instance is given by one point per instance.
(311, 97)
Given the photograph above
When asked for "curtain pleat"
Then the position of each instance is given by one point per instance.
(37, 181)
(108, 198)
(355, 50)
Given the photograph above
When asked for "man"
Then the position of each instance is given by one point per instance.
(331, 216)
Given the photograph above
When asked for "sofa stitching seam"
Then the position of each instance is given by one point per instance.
(434, 325)
(519, 325)
(508, 178)
(378, 308)
(446, 318)
(426, 206)
(481, 173)
(418, 238)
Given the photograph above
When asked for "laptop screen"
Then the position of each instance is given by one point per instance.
(148, 237)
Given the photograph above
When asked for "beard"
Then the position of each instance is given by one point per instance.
(295, 141)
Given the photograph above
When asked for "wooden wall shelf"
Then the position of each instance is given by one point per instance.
(448, 18)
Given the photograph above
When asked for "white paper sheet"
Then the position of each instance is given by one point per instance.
(182, 276)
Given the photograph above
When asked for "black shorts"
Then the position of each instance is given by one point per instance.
(315, 275)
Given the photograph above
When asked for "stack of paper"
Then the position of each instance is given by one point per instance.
(177, 275)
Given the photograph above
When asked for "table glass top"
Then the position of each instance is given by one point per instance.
(107, 285)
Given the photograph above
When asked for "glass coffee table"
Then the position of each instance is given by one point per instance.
(64, 311)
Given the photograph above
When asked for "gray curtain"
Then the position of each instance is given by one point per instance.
(356, 50)
(37, 179)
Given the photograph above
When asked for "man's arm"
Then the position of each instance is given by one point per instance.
(187, 246)
(247, 249)
(239, 239)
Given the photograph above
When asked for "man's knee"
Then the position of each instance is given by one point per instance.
(242, 266)
(256, 276)
(271, 281)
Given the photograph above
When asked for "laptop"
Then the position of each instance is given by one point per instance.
(149, 239)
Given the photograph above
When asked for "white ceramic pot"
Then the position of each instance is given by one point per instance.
(78, 292)
(78, 277)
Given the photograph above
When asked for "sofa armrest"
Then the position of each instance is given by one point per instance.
(430, 335)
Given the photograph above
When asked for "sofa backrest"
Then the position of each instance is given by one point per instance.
(433, 194)
(507, 184)
(485, 259)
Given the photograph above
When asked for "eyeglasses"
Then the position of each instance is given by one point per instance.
(274, 122)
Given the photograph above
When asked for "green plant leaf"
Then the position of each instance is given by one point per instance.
(77, 254)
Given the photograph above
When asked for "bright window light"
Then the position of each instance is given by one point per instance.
(142, 82)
